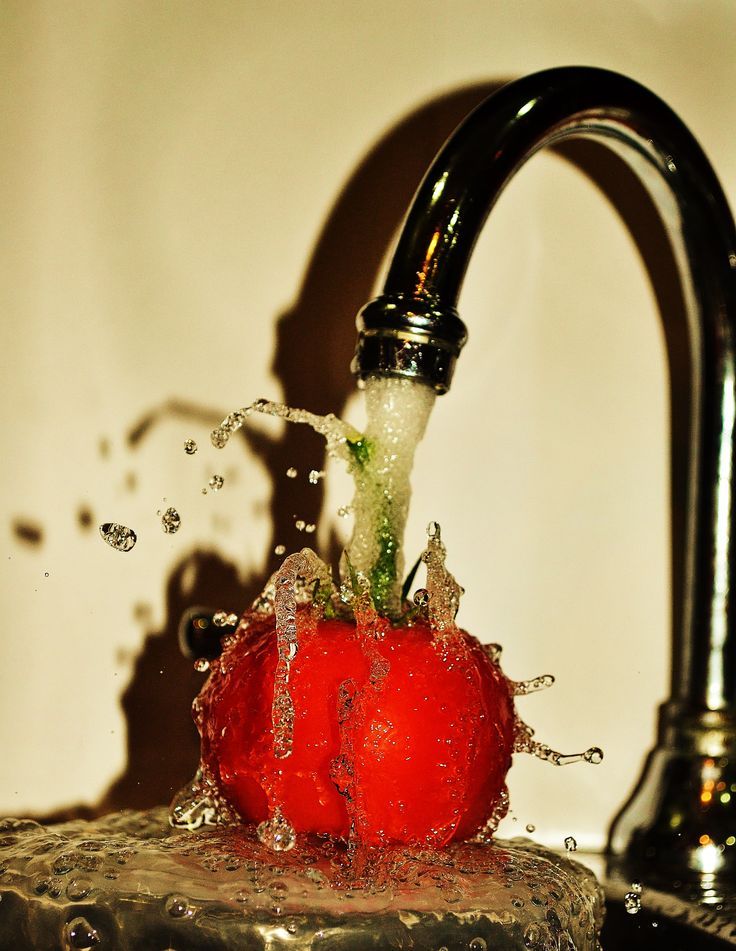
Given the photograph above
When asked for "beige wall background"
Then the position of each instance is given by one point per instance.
(177, 241)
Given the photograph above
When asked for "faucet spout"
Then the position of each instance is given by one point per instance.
(413, 330)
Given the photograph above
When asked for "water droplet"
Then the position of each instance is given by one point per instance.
(310, 527)
(80, 935)
(636, 887)
(279, 550)
(219, 438)
(78, 888)
(315, 475)
(190, 447)
(478, 944)
(300, 524)
(421, 597)
(177, 906)
(594, 755)
(570, 844)
(170, 521)
(216, 482)
(118, 536)
(344, 511)
(223, 619)
(292, 472)
(277, 834)
(632, 903)
(201, 665)
(530, 827)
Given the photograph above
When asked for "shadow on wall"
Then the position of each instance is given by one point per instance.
(314, 347)
(315, 342)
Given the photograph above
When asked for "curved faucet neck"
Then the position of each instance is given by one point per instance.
(413, 328)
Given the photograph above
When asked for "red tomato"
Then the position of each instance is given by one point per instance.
(408, 737)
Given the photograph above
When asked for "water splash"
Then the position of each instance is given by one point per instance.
(443, 591)
(524, 743)
(117, 536)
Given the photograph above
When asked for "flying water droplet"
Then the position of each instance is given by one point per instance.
(632, 903)
(315, 475)
(421, 597)
(223, 619)
(190, 447)
(118, 536)
(292, 472)
(280, 550)
(276, 834)
(300, 524)
(570, 844)
(344, 511)
(530, 827)
(201, 665)
(310, 527)
(170, 521)
(216, 482)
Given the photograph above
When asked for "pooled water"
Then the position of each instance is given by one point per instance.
(117, 536)
(148, 885)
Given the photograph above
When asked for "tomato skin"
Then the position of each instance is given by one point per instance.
(408, 737)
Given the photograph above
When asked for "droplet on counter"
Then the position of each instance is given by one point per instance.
(216, 483)
(632, 903)
(177, 906)
(570, 844)
(292, 472)
(190, 447)
(118, 536)
(315, 475)
(277, 834)
(170, 521)
(280, 550)
(530, 827)
(201, 665)
(80, 935)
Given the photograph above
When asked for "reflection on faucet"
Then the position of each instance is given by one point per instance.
(681, 820)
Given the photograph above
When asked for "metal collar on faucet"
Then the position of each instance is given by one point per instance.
(678, 821)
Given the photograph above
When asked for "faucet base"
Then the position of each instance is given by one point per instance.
(680, 822)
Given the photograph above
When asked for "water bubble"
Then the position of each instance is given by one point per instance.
(190, 447)
(201, 665)
(315, 475)
(277, 834)
(632, 903)
(80, 935)
(118, 536)
(570, 844)
(292, 472)
(216, 482)
(530, 827)
(177, 906)
(170, 521)
(280, 550)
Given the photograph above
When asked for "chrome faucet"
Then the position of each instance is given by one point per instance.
(681, 819)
